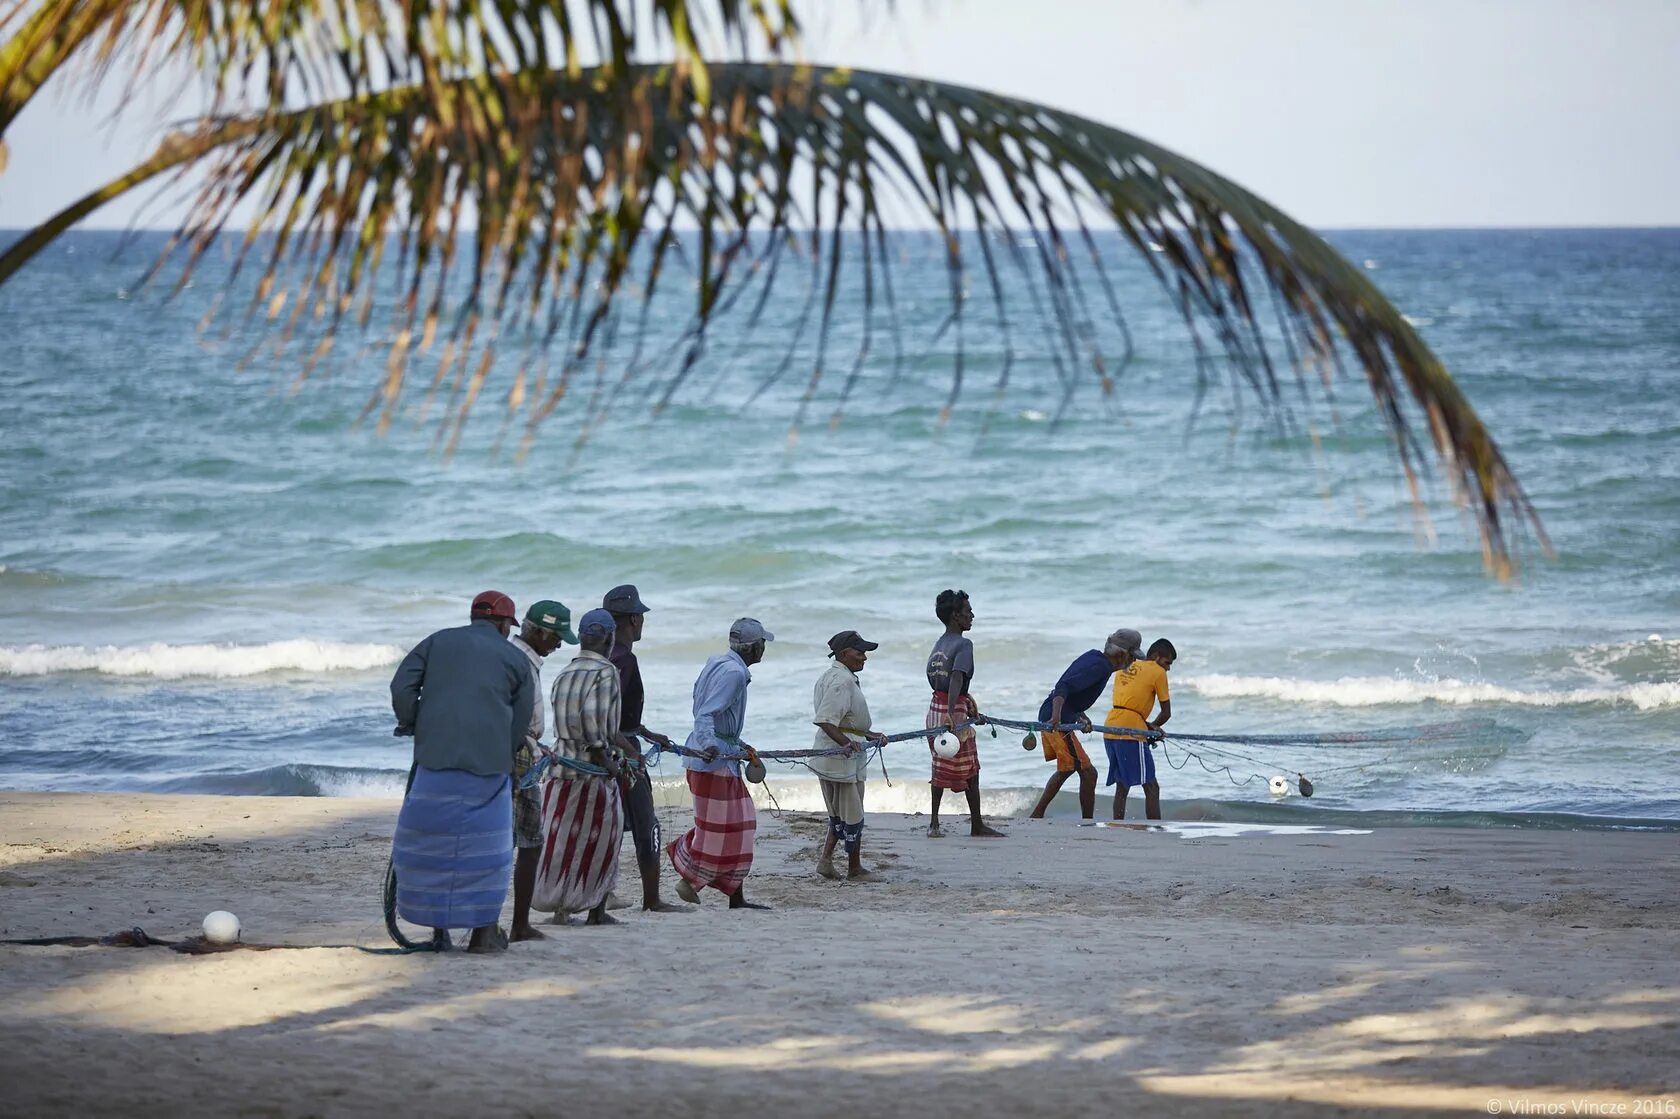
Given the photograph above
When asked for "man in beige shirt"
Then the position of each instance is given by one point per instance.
(842, 718)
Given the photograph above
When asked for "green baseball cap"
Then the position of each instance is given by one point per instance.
(554, 617)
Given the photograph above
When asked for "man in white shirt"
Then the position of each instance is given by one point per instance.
(842, 718)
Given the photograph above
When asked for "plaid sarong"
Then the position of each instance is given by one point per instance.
(527, 803)
(583, 824)
(718, 850)
(953, 773)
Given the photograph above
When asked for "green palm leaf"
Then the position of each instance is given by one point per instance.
(582, 182)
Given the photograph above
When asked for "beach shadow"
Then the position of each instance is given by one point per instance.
(807, 1011)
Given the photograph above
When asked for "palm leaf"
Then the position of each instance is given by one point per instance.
(581, 183)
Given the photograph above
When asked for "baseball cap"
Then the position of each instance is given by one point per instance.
(747, 630)
(850, 639)
(1128, 639)
(597, 623)
(494, 604)
(554, 617)
(623, 599)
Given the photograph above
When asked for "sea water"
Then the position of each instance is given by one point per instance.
(207, 572)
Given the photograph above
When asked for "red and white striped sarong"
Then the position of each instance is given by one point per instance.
(953, 773)
(583, 824)
(718, 849)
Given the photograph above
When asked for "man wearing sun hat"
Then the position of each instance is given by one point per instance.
(465, 695)
(548, 624)
(842, 719)
(718, 850)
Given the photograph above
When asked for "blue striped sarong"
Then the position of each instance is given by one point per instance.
(454, 849)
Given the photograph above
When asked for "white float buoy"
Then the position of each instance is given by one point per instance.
(221, 927)
(1657, 637)
(946, 746)
(1279, 785)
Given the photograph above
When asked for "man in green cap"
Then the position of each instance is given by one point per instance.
(547, 624)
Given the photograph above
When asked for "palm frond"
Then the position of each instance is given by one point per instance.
(582, 184)
(310, 51)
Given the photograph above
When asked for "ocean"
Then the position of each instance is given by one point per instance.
(208, 573)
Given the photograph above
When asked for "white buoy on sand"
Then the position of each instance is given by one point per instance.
(1279, 785)
(221, 927)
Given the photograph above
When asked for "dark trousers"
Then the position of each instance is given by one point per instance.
(640, 818)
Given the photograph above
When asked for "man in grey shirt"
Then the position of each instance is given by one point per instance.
(465, 694)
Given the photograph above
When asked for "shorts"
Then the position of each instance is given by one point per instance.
(1065, 750)
(527, 803)
(843, 799)
(1130, 762)
(641, 819)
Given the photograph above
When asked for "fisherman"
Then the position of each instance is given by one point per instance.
(950, 671)
(547, 625)
(1072, 696)
(842, 718)
(1130, 762)
(717, 851)
(465, 695)
(583, 819)
(628, 611)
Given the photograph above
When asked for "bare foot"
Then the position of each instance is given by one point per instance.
(525, 932)
(862, 875)
(826, 869)
(981, 830)
(687, 892)
(738, 900)
(601, 917)
(661, 906)
(487, 940)
(935, 831)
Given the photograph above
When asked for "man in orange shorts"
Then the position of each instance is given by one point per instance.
(1078, 688)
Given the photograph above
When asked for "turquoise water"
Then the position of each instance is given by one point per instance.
(205, 577)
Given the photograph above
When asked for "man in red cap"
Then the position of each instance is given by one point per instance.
(465, 695)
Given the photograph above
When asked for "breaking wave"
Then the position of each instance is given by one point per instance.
(177, 662)
(1379, 691)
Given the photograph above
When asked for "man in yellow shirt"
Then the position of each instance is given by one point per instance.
(1130, 762)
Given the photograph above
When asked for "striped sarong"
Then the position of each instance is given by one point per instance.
(718, 850)
(453, 850)
(953, 773)
(583, 825)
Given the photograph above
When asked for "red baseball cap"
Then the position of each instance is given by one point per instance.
(494, 604)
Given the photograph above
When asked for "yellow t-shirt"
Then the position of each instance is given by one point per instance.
(1136, 688)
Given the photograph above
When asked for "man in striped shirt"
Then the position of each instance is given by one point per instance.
(583, 817)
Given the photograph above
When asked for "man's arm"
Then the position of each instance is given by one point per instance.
(1166, 713)
(953, 697)
(524, 697)
(831, 708)
(721, 690)
(406, 685)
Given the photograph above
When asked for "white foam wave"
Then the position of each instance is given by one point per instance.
(176, 662)
(791, 793)
(1378, 691)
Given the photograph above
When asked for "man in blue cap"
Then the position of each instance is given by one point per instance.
(583, 817)
(628, 610)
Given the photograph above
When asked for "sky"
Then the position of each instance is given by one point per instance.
(1345, 113)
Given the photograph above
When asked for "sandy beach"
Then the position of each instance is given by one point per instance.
(1063, 970)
